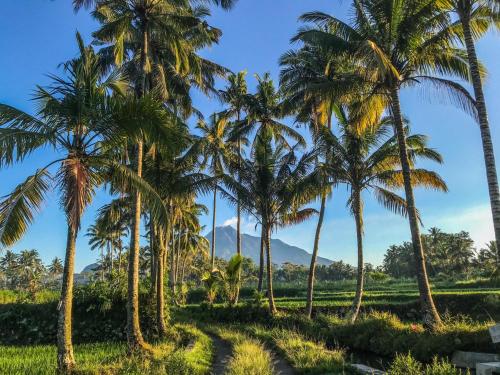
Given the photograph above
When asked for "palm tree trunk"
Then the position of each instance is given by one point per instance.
(213, 229)
(488, 152)
(358, 212)
(312, 268)
(102, 265)
(261, 259)
(120, 249)
(171, 278)
(134, 335)
(238, 221)
(270, 295)
(65, 357)
(153, 246)
(111, 251)
(160, 298)
(430, 314)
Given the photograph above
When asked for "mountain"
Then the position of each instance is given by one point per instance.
(225, 247)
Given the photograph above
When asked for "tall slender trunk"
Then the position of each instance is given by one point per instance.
(103, 262)
(238, 221)
(134, 335)
(270, 295)
(312, 268)
(488, 152)
(261, 259)
(171, 278)
(154, 247)
(430, 314)
(213, 229)
(120, 249)
(111, 251)
(65, 357)
(160, 298)
(358, 212)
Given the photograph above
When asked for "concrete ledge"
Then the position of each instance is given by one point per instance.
(489, 368)
(469, 359)
(363, 369)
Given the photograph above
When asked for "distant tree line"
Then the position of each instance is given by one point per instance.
(26, 272)
(447, 254)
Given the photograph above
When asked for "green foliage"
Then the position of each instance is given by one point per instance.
(378, 276)
(212, 282)
(407, 365)
(307, 357)
(448, 256)
(249, 356)
(231, 278)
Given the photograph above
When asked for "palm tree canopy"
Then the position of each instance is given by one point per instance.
(397, 44)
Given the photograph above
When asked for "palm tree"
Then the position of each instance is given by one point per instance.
(264, 109)
(101, 237)
(474, 19)
(236, 95)
(149, 32)
(116, 217)
(55, 267)
(366, 160)
(274, 186)
(215, 149)
(303, 71)
(8, 265)
(397, 45)
(30, 270)
(76, 118)
(171, 171)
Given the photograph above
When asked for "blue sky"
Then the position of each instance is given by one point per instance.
(36, 35)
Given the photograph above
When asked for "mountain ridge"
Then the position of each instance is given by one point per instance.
(225, 248)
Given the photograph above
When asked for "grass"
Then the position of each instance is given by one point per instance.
(407, 365)
(249, 356)
(306, 356)
(167, 357)
(41, 359)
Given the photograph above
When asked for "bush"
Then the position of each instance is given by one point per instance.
(386, 335)
(407, 365)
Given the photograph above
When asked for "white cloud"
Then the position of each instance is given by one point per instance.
(230, 222)
(247, 224)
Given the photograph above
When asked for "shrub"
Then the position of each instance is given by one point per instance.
(407, 365)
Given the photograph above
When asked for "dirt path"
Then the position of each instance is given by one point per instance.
(281, 367)
(223, 353)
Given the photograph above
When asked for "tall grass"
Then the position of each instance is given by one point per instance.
(306, 356)
(249, 356)
(166, 358)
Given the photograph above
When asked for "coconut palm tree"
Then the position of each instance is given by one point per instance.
(215, 148)
(303, 71)
(264, 109)
(30, 270)
(398, 45)
(101, 237)
(55, 267)
(116, 217)
(75, 119)
(366, 159)
(236, 95)
(475, 17)
(274, 187)
(132, 29)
